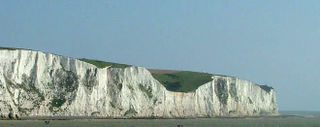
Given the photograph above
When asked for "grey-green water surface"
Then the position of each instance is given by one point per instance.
(203, 122)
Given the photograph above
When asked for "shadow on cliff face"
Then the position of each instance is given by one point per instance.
(65, 83)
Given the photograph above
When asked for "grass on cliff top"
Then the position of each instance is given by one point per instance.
(103, 64)
(265, 88)
(181, 81)
(6, 48)
(9, 48)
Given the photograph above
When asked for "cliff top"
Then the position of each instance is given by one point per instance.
(103, 64)
(173, 80)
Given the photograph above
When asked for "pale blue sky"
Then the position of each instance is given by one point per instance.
(269, 42)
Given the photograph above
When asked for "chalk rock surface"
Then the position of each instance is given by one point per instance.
(38, 84)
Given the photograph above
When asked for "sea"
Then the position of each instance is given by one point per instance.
(286, 119)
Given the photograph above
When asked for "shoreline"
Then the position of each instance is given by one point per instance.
(105, 118)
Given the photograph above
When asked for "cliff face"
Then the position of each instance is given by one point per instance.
(37, 84)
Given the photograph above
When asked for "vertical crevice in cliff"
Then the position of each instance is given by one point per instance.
(114, 88)
(233, 91)
(90, 79)
(221, 91)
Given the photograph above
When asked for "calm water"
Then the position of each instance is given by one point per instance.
(305, 119)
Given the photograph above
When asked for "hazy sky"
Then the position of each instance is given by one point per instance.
(274, 42)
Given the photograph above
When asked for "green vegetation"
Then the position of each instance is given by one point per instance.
(5, 48)
(8, 48)
(30, 93)
(266, 88)
(65, 87)
(102, 64)
(148, 90)
(58, 102)
(68, 80)
(90, 79)
(181, 81)
(131, 112)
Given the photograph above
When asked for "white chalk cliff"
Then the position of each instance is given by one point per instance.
(38, 84)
